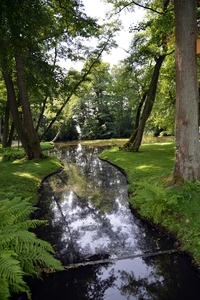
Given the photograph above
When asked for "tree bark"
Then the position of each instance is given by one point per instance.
(131, 140)
(136, 137)
(34, 150)
(11, 134)
(14, 111)
(6, 126)
(8, 131)
(187, 159)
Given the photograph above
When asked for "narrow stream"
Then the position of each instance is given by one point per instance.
(90, 220)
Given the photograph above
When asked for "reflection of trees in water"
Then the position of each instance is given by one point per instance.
(96, 289)
(83, 190)
(85, 283)
(153, 286)
(91, 194)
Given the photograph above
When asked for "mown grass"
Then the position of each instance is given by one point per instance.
(22, 178)
(176, 209)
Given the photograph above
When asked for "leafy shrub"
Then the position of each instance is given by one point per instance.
(21, 252)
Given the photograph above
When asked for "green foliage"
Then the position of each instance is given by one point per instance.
(154, 199)
(21, 252)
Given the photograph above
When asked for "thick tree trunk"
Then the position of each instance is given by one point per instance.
(15, 113)
(149, 101)
(187, 160)
(34, 151)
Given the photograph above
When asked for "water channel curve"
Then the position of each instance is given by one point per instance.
(90, 221)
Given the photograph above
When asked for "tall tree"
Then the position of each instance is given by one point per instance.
(187, 162)
(153, 48)
(30, 31)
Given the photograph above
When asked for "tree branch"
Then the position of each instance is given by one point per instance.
(140, 5)
(75, 87)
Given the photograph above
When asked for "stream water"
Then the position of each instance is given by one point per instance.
(89, 220)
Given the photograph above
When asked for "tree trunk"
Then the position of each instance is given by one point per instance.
(149, 101)
(11, 134)
(131, 140)
(15, 113)
(34, 150)
(41, 114)
(6, 126)
(7, 132)
(187, 160)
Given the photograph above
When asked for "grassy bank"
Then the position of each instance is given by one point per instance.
(22, 178)
(176, 209)
(21, 252)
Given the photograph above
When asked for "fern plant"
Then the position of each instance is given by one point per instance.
(153, 199)
(21, 252)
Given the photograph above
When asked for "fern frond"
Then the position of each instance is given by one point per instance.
(23, 225)
(12, 274)
(17, 210)
(154, 199)
(4, 289)
(21, 252)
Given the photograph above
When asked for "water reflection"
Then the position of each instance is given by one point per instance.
(166, 277)
(87, 205)
(89, 218)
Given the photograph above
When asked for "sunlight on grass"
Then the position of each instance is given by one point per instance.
(26, 175)
(21, 177)
(144, 167)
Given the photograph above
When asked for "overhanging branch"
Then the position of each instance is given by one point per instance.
(140, 5)
(75, 87)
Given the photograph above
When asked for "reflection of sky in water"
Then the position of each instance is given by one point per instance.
(82, 226)
(89, 228)
(89, 213)
(97, 232)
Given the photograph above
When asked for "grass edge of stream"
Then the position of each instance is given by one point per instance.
(174, 210)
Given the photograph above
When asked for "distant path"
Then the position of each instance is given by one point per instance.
(16, 143)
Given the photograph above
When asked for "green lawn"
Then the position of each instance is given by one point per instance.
(22, 178)
(176, 209)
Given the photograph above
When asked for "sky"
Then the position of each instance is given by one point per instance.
(97, 9)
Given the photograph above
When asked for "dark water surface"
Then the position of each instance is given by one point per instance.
(87, 206)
